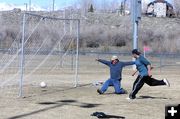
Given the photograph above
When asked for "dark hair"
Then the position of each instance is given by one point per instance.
(135, 51)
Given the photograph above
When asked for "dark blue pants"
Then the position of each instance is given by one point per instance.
(114, 82)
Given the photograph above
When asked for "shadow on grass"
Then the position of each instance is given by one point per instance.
(114, 94)
(151, 97)
(47, 92)
(67, 101)
(88, 105)
(54, 105)
(47, 103)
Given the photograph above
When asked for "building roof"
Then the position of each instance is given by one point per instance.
(160, 1)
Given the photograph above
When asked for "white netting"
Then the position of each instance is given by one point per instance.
(50, 53)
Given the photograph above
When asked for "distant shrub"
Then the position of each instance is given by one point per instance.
(120, 43)
(101, 31)
(119, 40)
(92, 44)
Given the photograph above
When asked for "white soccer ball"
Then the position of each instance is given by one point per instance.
(43, 85)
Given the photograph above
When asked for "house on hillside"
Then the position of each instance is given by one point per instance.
(160, 8)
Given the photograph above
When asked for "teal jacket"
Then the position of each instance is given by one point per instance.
(141, 65)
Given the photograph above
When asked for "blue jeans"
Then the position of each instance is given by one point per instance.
(116, 83)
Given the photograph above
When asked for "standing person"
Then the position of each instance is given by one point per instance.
(144, 68)
(115, 74)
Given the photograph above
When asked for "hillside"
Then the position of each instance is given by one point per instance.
(105, 32)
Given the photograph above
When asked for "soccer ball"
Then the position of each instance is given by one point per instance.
(43, 85)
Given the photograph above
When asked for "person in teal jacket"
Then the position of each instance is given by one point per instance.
(116, 67)
(143, 66)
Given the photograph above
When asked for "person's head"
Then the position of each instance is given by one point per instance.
(135, 53)
(114, 59)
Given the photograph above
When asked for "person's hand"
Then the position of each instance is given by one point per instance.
(149, 70)
(149, 73)
(97, 59)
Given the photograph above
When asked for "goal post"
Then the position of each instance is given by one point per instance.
(38, 55)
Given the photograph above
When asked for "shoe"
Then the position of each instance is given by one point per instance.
(99, 91)
(166, 82)
(125, 91)
(131, 97)
(128, 98)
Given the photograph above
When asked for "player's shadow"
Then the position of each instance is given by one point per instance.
(47, 92)
(56, 104)
(108, 93)
(88, 105)
(151, 97)
(105, 94)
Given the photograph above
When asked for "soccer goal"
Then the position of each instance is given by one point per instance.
(47, 51)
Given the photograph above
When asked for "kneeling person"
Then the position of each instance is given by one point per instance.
(116, 67)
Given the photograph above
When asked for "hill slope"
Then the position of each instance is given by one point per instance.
(106, 31)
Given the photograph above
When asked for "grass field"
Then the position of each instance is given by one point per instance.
(60, 100)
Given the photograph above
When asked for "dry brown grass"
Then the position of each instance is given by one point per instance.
(61, 101)
(103, 30)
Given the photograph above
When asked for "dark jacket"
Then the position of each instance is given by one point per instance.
(116, 69)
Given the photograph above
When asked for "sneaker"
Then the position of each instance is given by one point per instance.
(99, 91)
(131, 97)
(166, 82)
(128, 98)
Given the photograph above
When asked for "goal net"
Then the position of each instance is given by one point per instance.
(45, 50)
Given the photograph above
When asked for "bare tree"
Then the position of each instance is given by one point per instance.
(114, 5)
(85, 4)
(177, 7)
(105, 5)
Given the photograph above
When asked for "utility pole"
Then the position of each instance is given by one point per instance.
(124, 7)
(29, 5)
(53, 5)
(104, 6)
(26, 5)
(21, 68)
(136, 17)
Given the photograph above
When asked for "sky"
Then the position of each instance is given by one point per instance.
(48, 3)
(41, 3)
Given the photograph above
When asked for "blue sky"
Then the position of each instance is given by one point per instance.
(42, 3)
